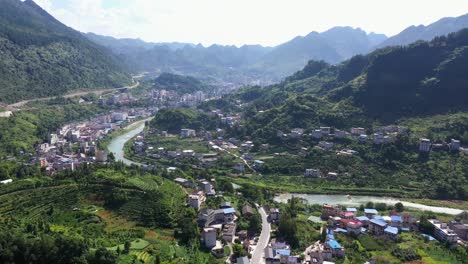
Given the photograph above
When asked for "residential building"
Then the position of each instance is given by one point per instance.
(377, 227)
(325, 145)
(314, 173)
(247, 211)
(442, 232)
(391, 232)
(396, 221)
(331, 210)
(239, 167)
(336, 249)
(317, 134)
(363, 138)
(460, 229)
(325, 130)
(258, 164)
(340, 133)
(195, 201)
(206, 187)
(274, 215)
(296, 133)
(454, 145)
(352, 226)
(364, 220)
(370, 213)
(378, 138)
(218, 250)
(332, 176)
(209, 237)
(358, 131)
(424, 145)
(186, 133)
(229, 232)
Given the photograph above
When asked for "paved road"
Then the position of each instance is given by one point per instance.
(257, 255)
(76, 94)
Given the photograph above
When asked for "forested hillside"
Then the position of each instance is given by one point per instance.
(180, 84)
(41, 57)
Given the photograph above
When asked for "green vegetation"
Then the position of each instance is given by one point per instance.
(40, 57)
(174, 119)
(181, 84)
(104, 211)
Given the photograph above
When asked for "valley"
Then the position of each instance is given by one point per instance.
(338, 146)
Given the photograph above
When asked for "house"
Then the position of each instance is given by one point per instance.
(340, 133)
(209, 237)
(274, 215)
(171, 169)
(314, 173)
(329, 210)
(258, 164)
(348, 215)
(247, 211)
(332, 176)
(364, 220)
(225, 204)
(377, 227)
(325, 145)
(336, 249)
(229, 232)
(186, 133)
(391, 232)
(218, 250)
(195, 202)
(370, 213)
(363, 138)
(454, 144)
(396, 221)
(296, 133)
(228, 214)
(325, 130)
(317, 134)
(408, 220)
(424, 145)
(460, 229)
(378, 138)
(207, 187)
(442, 232)
(356, 131)
(351, 209)
(352, 226)
(242, 234)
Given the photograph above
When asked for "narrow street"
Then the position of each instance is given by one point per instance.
(257, 255)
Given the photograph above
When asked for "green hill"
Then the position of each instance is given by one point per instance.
(181, 84)
(40, 57)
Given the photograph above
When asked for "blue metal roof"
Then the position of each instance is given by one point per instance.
(334, 244)
(378, 222)
(370, 211)
(284, 252)
(331, 236)
(396, 218)
(431, 238)
(229, 210)
(341, 230)
(351, 209)
(362, 218)
(391, 230)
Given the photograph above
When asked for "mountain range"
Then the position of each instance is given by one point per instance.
(41, 57)
(255, 64)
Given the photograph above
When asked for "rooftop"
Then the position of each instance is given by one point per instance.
(229, 210)
(351, 209)
(334, 244)
(391, 230)
(370, 211)
(378, 222)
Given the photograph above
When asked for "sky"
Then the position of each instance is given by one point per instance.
(238, 22)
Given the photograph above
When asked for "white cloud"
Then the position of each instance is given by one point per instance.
(244, 21)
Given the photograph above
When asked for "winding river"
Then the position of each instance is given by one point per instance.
(117, 147)
(356, 201)
(117, 144)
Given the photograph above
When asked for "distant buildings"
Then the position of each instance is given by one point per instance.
(454, 145)
(313, 173)
(329, 210)
(187, 133)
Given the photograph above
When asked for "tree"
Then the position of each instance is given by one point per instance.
(399, 207)
(323, 235)
(127, 246)
(370, 205)
(103, 256)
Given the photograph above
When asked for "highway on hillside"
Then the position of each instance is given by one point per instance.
(76, 94)
(257, 255)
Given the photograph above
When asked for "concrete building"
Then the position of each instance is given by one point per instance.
(377, 227)
(186, 133)
(454, 145)
(332, 176)
(325, 145)
(317, 134)
(424, 145)
(331, 210)
(209, 237)
(314, 173)
(356, 131)
(442, 232)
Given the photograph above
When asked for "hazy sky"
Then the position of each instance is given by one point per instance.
(266, 22)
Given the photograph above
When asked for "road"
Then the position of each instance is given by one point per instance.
(96, 92)
(257, 255)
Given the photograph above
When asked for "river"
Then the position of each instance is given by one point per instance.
(356, 201)
(116, 146)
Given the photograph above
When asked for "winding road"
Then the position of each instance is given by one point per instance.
(257, 255)
(96, 92)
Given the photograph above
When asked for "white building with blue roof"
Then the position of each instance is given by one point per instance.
(391, 232)
(377, 227)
